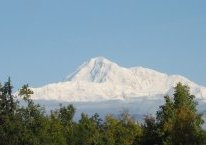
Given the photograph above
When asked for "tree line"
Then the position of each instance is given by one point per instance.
(177, 122)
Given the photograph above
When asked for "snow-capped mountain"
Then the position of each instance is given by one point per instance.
(100, 79)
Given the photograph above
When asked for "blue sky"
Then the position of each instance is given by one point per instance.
(42, 41)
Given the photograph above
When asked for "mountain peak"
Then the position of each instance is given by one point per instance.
(100, 59)
(100, 78)
(95, 70)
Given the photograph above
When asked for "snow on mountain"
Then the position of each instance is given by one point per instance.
(100, 79)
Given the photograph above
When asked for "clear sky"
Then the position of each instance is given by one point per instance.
(42, 41)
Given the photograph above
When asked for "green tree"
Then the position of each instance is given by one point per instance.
(150, 135)
(178, 120)
(33, 119)
(88, 132)
(10, 126)
(7, 103)
(65, 116)
(123, 130)
(55, 131)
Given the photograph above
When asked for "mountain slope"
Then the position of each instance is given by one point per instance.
(100, 79)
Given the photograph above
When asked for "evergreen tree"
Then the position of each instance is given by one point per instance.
(9, 131)
(7, 102)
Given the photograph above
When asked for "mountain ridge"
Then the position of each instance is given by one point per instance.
(101, 79)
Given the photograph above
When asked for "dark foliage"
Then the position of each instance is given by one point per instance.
(176, 123)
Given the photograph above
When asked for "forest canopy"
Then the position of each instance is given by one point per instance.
(177, 122)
